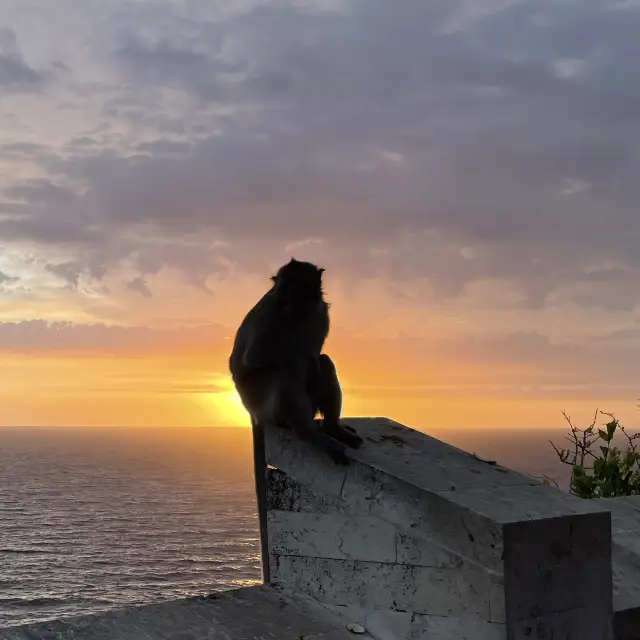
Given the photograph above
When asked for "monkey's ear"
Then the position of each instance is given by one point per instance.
(273, 278)
(321, 271)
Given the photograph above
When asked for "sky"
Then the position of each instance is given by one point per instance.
(467, 171)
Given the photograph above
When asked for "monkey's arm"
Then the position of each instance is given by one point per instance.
(327, 395)
(296, 411)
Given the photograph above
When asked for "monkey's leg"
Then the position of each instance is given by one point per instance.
(296, 409)
(260, 470)
(328, 398)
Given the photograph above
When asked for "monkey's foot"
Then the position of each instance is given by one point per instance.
(343, 433)
(336, 450)
(338, 453)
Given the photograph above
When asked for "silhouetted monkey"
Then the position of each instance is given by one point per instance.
(277, 366)
(282, 377)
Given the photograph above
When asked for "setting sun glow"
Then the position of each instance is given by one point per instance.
(226, 405)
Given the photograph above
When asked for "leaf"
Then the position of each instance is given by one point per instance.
(607, 489)
(601, 471)
(582, 485)
(598, 466)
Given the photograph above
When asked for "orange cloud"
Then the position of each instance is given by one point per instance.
(97, 375)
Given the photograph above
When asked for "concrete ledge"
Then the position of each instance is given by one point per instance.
(625, 558)
(239, 614)
(417, 536)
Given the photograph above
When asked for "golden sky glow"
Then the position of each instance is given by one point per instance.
(466, 172)
(179, 378)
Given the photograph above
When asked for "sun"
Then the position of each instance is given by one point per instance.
(233, 410)
(226, 404)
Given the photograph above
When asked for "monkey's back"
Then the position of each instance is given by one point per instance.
(286, 339)
(249, 325)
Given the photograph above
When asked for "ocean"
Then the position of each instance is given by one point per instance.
(94, 519)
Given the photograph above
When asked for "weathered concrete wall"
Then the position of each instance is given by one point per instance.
(419, 540)
(625, 557)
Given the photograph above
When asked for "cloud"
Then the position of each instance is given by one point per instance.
(525, 359)
(4, 278)
(171, 65)
(15, 74)
(39, 191)
(63, 338)
(523, 364)
(68, 271)
(458, 142)
(140, 286)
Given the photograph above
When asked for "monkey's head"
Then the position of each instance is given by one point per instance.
(298, 286)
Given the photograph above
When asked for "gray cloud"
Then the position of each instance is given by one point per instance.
(176, 65)
(139, 285)
(68, 271)
(506, 146)
(15, 74)
(49, 337)
(5, 278)
(40, 191)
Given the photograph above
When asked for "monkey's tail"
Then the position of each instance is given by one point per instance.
(260, 471)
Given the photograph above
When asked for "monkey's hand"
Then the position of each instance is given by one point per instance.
(343, 433)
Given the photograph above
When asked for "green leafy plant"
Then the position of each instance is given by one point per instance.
(600, 469)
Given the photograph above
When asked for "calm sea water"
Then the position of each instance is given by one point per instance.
(100, 518)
